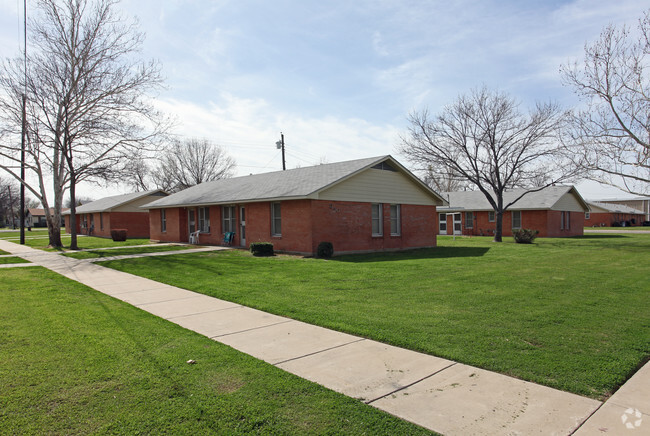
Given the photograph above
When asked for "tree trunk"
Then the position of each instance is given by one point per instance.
(498, 232)
(73, 215)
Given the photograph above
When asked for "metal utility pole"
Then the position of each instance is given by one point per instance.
(280, 145)
(24, 130)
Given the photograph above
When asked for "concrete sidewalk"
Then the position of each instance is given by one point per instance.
(441, 395)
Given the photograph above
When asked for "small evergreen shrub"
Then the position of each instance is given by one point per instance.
(325, 250)
(525, 236)
(118, 235)
(262, 249)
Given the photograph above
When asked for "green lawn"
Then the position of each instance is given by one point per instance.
(572, 313)
(74, 361)
(123, 251)
(12, 259)
(86, 242)
(2, 252)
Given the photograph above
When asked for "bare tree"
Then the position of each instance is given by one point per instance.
(185, 163)
(88, 106)
(444, 180)
(484, 138)
(610, 136)
(9, 202)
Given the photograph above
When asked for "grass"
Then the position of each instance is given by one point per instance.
(12, 259)
(572, 314)
(38, 238)
(2, 252)
(98, 253)
(74, 361)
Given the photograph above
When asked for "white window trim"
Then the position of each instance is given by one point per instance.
(163, 221)
(513, 219)
(274, 231)
(587, 215)
(442, 220)
(397, 219)
(494, 216)
(471, 215)
(380, 218)
(230, 219)
(204, 224)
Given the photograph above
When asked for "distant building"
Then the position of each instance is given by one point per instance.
(610, 214)
(638, 203)
(555, 211)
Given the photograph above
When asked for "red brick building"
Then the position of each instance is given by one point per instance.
(363, 205)
(607, 214)
(556, 211)
(99, 217)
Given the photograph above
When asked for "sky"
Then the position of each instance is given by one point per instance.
(340, 77)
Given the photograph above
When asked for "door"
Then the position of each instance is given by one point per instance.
(191, 221)
(458, 224)
(242, 226)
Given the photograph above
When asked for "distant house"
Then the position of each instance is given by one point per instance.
(362, 205)
(39, 219)
(99, 217)
(637, 203)
(609, 214)
(555, 211)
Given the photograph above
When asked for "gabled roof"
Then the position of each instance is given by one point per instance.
(545, 199)
(107, 204)
(613, 208)
(299, 183)
(34, 211)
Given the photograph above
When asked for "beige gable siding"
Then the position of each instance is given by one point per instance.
(134, 206)
(378, 186)
(569, 203)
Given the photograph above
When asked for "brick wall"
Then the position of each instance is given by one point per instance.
(548, 223)
(607, 219)
(306, 223)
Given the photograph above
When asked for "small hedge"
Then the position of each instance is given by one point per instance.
(325, 250)
(525, 236)
(118, 235)
(262, 249)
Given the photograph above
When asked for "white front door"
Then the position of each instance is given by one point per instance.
(242, 226)
(458, 224)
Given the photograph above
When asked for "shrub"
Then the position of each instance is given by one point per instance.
(118, 235)
(325, 249)
(525, 236)
(262, 249)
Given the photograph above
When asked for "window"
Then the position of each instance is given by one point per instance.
(516, 219)
(565, 220)
(163, 220)
(442, 223)
(377, 224)
(587, 214)
(491, 217)
(469, 220)
(395, 220)
(204, 219)
(101, 220)
(276, 219)
(228, 219)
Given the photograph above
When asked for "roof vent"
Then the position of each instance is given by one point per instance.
(385, 166)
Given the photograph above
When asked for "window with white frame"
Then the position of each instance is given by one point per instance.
(163, 220)
(587, 215)
(469, 220)
(395, 220)
(516, 219)
(228, 219)
(276, 219)
(377, 224)
(442, 223)
(204, 219)
(491, 216)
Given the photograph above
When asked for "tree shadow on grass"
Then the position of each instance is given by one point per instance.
(424, 253)
(592, 236)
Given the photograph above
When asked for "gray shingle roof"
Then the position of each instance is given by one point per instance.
(615, 208)
(291, 184)
(475, 200)
(107, 203)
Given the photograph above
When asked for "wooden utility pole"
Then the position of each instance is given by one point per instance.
(280, 144)
(24, 131)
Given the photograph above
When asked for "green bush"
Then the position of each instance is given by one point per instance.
(118, 235)
(525, 236)
(262, 249)
(325, 249)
